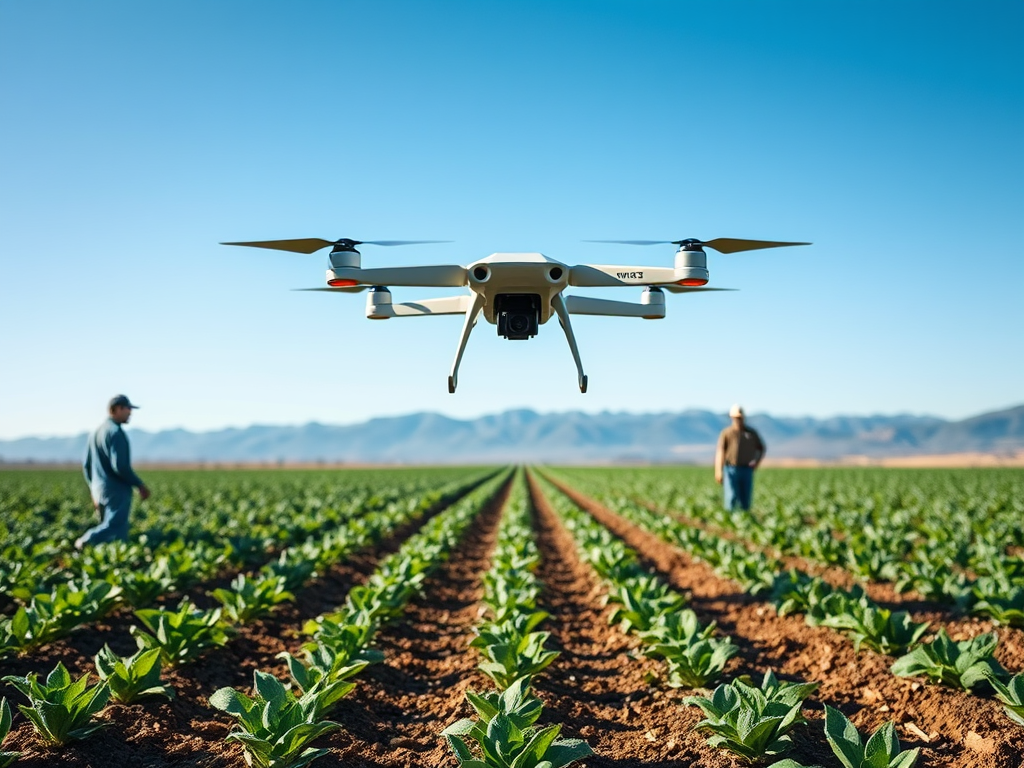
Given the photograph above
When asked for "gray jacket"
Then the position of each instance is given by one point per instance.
(108, 465)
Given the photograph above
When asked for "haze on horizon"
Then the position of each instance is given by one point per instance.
(137, 137)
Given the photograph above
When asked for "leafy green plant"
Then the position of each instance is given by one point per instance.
(1004, 607)
(961, 664)
(694, 657)
(752, 722)
(142, 587)
(181, 635)
(53, 614)
(882, 749)
(1011, 694)
(61, 710)
(132, 677)
(797, 592)
(295, 565)
(6, 757)
(250, 598)
(879, 629)
(275, 727)
(641, 600)
(510, 655)
(324, 667)
(506, 737)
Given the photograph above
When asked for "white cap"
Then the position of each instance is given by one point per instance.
(735, 411)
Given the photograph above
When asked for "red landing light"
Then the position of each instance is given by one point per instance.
(341, 282)
(692, 281)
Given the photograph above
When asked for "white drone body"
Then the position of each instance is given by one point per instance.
(518, 292)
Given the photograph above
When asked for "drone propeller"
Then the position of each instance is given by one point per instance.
(720, 244)
(314, 244)
(337, 289)
(692, 289)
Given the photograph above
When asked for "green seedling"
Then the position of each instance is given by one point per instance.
(250, 598)
(505, 735)
(6, 756)
(275, 727)
(181, 635)
(877, 628)
(882, 749)
(132, 677)
(1011, 694)
(61, 710)
(962, 664)
(753, 723)
(514, 656)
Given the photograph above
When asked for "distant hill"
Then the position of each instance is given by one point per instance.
(524, 435)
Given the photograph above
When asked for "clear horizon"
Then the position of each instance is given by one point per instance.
(139, 136)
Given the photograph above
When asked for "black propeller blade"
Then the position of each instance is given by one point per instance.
(720, 244)
(692, 289)
(314, 244)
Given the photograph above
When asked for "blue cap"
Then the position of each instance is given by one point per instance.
(121, 400)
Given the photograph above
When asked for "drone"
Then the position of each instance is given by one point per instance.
(517, 292)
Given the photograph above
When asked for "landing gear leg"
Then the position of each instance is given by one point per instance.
(472, 314)
(558, 302)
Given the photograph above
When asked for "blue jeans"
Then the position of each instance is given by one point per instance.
(738, 484)
(114, 526)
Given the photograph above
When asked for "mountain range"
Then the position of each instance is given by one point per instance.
(527, 436)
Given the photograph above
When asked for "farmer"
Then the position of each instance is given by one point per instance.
(740, 451)
(108, 471)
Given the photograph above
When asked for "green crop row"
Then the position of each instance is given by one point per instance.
(276, 724)
(907, 527)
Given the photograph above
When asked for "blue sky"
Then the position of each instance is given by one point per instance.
(136, 136)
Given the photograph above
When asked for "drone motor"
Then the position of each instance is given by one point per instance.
(653, 298)
(378, 302)
(692, 264)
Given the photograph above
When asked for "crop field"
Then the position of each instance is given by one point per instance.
(517, 618)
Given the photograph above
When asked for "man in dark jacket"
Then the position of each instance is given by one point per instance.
(108, 471)
(740, 451)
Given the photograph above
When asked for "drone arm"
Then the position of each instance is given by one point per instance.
(585, 305)
(558, 302)
(436, 276)
(604, 276)
(472, 313)
(450, 305)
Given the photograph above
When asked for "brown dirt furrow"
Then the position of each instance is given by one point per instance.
(1010, 652)
(963, 731)
(187, 731)
(882, 592)
(396, 714)
(598, 688)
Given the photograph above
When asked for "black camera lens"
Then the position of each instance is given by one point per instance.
(518, 323)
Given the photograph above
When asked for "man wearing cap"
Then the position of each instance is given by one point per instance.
(108, 471)
(740, 451)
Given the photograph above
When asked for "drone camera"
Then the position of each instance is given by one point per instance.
(481, 273)
(518, 315)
